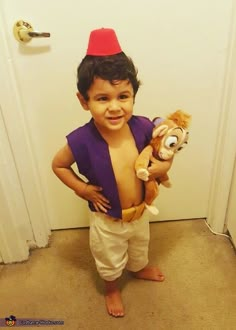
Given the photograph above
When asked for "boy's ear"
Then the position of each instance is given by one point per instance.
(83, 102)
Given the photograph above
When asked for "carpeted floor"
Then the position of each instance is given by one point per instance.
(61, 283)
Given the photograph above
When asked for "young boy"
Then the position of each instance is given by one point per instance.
(105, 150)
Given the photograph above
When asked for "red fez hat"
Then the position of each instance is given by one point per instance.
(103, 42)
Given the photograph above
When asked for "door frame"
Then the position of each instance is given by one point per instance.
(222, 171)
(26, 167)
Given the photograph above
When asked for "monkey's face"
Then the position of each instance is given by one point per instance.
(171, 142)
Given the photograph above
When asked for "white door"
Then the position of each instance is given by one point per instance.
(180, 49)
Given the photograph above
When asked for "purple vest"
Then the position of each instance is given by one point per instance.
(92, 157)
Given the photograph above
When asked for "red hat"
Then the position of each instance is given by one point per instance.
(103, 42)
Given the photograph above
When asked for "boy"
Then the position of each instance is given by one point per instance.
(105, 150)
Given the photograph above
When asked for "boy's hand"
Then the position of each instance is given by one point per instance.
(92, 193)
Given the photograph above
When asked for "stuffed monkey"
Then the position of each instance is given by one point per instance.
(169, 136)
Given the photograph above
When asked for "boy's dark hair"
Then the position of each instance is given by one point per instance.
(113, 68)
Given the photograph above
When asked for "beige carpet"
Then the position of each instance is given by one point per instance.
(60, 282)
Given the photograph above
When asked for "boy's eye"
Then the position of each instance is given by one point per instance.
(123, 96)
(102, 98)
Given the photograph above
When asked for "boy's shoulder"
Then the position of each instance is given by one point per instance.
(142, 121)
(84, 129)
(141, 118)
(82, 136)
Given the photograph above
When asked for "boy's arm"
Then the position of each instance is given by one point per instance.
(61, 166)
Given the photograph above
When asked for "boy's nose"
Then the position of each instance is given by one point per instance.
(114, 105)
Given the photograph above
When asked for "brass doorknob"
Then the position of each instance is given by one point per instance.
(24, 32)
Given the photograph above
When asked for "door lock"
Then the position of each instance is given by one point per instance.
(24, 32)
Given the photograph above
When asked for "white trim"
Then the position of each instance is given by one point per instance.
(18, 142)
(226, 144)
(231, 211)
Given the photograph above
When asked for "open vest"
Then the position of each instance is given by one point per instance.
(91, 154)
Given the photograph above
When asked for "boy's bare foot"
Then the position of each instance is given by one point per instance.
(150, 273)
(113, 299)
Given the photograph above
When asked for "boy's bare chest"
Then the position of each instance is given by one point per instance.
(123, 151)
(123, 156)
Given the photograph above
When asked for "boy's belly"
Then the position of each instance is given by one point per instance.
(123, 156)
(130, 195)
(130, 188)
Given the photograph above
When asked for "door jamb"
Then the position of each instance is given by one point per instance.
(226, 144)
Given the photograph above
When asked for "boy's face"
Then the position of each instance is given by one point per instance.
(110, 105)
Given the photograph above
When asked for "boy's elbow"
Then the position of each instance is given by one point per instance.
(54, 165)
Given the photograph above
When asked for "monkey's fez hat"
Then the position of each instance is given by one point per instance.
(103, 42)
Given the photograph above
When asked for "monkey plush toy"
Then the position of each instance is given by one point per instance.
(169, 136)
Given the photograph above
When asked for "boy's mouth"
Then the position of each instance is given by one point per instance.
(114, 117)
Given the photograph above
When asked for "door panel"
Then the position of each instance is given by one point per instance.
(180, 49)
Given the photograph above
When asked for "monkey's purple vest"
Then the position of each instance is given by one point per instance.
(92, 157)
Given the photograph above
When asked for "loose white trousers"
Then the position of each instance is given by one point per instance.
(116, 245)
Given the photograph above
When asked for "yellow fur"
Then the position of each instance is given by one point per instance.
(180, 118)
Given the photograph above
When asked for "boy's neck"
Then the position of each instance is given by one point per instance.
(113, 137)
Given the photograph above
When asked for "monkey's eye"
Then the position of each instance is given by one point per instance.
(182, 146)
(171, 141)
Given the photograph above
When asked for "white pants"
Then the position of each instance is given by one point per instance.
(116, 244)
